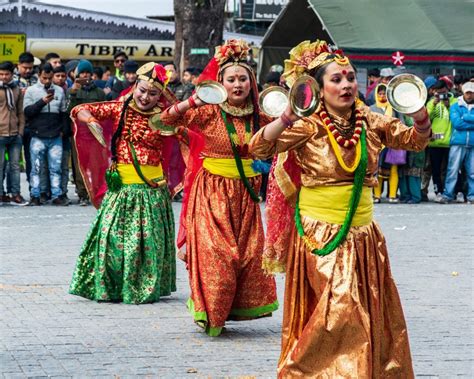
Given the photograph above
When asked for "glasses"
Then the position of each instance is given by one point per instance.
(120, 60)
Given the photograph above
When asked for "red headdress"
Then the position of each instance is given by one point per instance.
(232, 52)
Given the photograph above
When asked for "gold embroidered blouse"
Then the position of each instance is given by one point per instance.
(308, 137)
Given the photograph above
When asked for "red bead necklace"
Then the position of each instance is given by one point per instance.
(342, 141)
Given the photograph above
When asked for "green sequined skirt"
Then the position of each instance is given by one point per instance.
(129, 254)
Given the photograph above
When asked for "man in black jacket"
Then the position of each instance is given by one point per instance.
(45, 109)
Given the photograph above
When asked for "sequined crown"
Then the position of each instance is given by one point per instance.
(308, 56)
(233, 50)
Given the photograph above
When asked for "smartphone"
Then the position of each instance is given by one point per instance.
(82, 81)
(50, 91)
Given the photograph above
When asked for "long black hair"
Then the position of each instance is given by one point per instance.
(119, 130)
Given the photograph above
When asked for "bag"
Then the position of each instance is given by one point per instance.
(396, 157)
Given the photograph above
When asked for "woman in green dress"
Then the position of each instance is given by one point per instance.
(129, 253)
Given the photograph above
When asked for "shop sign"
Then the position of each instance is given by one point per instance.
(11, 46)
(268, 9)
(97, 50)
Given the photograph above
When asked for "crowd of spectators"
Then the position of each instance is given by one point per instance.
(35, 130)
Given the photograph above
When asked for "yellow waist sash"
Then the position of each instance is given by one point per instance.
(227, 167)
(330, 203)
(129, 175)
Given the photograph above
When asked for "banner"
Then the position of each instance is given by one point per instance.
(102, 49)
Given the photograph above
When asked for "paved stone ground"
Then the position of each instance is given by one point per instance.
(47, 333)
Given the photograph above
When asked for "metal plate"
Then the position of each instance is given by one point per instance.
(97, 132)
(155, 123)
(273, 101)
(211, 92)
(304, 96)
(406, 93)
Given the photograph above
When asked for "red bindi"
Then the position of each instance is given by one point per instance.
(344, 72)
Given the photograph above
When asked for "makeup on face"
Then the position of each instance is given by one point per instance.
(340, 88)
(236, 81)
(146, 95)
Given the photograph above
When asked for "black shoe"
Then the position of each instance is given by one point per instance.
(44, 198)
(64, 196)
(6, 199)
(34, 201)
(84, 202)
(61, 201)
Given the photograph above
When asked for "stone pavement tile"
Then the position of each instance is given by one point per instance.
(160, 340)
(14, 375)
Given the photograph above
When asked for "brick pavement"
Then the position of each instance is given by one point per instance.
(47, 333)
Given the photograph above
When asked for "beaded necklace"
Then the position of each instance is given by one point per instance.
(341, 140)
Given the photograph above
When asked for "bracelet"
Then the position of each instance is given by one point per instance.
(176, 108)
(424, 120)
(191, 102)
(286, 120)
(422, 130)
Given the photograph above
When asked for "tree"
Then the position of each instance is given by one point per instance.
(198, 24)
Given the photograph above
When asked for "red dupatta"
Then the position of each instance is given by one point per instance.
(94, 159)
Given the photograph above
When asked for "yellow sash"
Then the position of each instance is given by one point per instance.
(330, 203)
(129, 175)
(227, 167)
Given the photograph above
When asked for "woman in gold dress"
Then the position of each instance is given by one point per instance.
(221, 224)
(342, 313)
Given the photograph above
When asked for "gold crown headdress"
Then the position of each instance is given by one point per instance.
(232, 52)
(155, 74)
(307, 56)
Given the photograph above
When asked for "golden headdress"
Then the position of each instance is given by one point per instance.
(307, 57)
(232, 52)
(155, 74)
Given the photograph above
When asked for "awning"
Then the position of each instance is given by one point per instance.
(424, 32)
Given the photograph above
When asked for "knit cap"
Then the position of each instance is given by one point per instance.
(84, 66)
(71, 65)
(430, 81)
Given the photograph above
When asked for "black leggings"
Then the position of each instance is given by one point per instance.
(439, 162)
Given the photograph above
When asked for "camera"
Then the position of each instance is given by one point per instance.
(443, 96)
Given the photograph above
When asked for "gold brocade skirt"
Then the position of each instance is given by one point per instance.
(342, 313)
(224, 246)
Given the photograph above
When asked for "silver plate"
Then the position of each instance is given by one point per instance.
(273, 101)
(211, 92)
(406, 93)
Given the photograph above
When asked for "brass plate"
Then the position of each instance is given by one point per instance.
(97, 132)
(273, 101)
(211, 92)
(155, 123)
(304, 96)
(406, 93)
